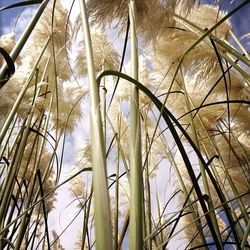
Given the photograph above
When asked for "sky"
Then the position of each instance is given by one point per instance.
(10, 17)
(240, 22)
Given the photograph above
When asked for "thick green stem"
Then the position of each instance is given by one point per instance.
(147, 196)
(136, 201)
(103, 228)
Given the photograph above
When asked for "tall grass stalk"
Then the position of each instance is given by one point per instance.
(101, 197)
(23, 39)
(136, 177)
(14, 167)
(194, 137)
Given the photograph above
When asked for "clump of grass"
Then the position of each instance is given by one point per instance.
(165, 162)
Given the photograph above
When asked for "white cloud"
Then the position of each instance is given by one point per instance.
(61, 217)
(19, 23)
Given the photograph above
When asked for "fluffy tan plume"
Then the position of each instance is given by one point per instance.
(105, 56)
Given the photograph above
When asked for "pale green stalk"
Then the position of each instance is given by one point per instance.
(123, 231)
(231, 50)
(239, 44)
(193, 206)
(116, 216)
(36, 95)
(242, 206)
(246, 236)
(31, 114)
(224, 44)
(194, 137)
(54, 76)
(48, 113)
(103, 229)
(231, 60)
(23, 39)
(196, 220)
(86, 218)
(10, 181)
(20, 96)
(42, 198)
(6, 142)
(104, 112)
(229, 179)
(216, 152)
(161, 238)
(123, 157)
(104, 108)
(148, 222)
(155, 232)
(23, 224)
(6, 171)
(116, 227)
(34, 192)
(136, 182)
(199, 40)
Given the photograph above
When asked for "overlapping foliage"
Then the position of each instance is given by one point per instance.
(166, 159)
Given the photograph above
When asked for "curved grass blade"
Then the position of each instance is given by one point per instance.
(214, 104)
(10, 67)
(122, 62)
(20, 4)
(42, 198)
(64, 138)
(225, 83)
(167, 116)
